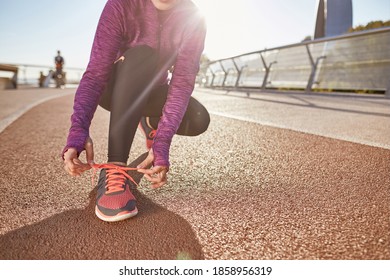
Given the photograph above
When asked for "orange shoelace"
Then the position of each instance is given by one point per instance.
(115, 176)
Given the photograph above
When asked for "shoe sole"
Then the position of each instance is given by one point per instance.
(118, 217)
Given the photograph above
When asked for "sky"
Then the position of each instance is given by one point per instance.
(31, 31)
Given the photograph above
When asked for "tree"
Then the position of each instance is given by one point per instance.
(204, 59)
(370, 25)
(204, 63)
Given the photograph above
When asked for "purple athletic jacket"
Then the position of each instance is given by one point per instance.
(128, 23)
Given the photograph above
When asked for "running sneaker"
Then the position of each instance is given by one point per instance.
(114, 200)
(148, 131)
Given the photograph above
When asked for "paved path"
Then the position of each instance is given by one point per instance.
(14, 103)
(248, 188)
(358, 118)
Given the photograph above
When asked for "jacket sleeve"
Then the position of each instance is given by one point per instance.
(105, 47)
(180, 88)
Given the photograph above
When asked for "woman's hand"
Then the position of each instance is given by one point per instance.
(73, 165)
(156, 175)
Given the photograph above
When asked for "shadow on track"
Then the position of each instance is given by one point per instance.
(155, 233)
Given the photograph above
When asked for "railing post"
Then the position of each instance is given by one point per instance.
(238, 72)
(239, 75)
(24, 74)
(213, 74)
(267, 70)
(387, 93)
(15, 79)
(225, 72)
(314, 65)
(227, 75)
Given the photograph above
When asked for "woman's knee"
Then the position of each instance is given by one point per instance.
(194, 123)
(201, 122)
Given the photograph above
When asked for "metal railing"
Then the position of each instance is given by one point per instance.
(30, 74)
(354, 62)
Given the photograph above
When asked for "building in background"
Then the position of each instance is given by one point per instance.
(334, 17)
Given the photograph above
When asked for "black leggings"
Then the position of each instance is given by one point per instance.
(131, 94)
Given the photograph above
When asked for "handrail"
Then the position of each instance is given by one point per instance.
(315, 41)
(41, 66)
(357, 62)
(34, 73)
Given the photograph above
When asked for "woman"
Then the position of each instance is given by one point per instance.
(136, 43)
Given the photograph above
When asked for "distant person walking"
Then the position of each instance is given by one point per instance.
(136, 43)
(59, 75)
(59, 62)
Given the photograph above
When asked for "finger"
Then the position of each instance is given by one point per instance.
(69, 162)
(157, 185)
(70, 154)
(71, 167)
(154, 170)
(156, 177)
(72, 173)
(150, 172)
(146, 163)
(76, 167)
(67, 169)
(89, 151)
(77, 162)
(81, 165)
(153, 179)
(146, 171)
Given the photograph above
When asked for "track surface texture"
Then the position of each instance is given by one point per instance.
(272, 178)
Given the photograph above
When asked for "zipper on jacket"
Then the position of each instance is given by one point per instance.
(160, 28)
